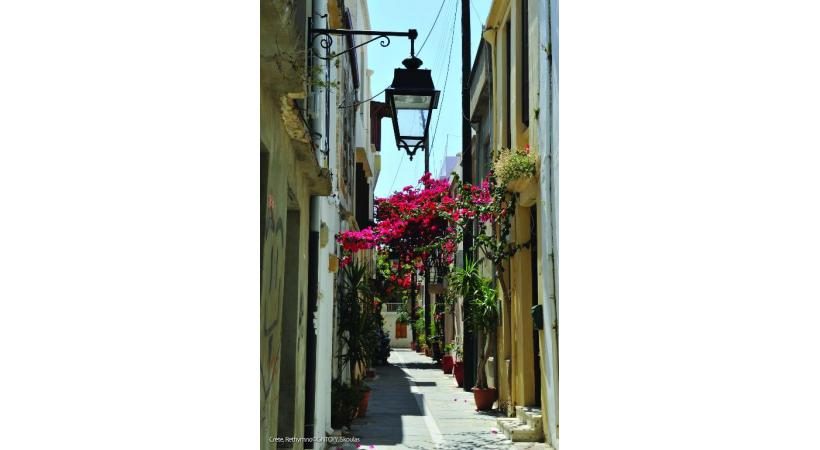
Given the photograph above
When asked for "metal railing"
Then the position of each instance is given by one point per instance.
(391, 307)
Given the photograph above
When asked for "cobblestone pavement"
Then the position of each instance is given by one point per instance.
(414, 405)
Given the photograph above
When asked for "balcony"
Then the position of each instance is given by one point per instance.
(391, 307)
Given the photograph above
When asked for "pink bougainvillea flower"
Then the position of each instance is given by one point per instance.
(420, 225)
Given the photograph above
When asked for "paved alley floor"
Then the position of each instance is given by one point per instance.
(414, 405)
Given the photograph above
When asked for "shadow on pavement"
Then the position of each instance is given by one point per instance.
(390, 400)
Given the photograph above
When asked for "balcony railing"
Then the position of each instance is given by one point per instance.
(392, 307)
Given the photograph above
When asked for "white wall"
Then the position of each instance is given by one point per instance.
(548, 208)
(330, 224)
(390, 327)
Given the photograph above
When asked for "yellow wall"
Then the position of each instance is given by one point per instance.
(515, 342)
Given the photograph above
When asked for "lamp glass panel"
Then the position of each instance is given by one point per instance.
(412, 101)
(412, 122)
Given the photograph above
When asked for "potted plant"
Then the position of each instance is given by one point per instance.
(418, 330)
(432, 344)
(516, 170)
(458, 366)
(483, 319)
(359, 330)
(344, 402)
(447, 359)
(482, 307)
(364, 398)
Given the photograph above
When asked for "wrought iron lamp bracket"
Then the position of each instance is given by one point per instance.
(326, 41)
(325, 36)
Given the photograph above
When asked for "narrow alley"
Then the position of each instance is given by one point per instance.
(375, 235)
(414, 405)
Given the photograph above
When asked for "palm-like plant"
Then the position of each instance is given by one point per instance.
(480, 301)
(358, 319)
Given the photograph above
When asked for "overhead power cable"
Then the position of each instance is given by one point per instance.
(472, 6)
(431, 28)
(390, 191)
(446, 77)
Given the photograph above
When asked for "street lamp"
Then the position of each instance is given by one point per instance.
(412, 98)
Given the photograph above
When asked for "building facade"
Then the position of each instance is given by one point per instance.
(513, 102)
(318, 171)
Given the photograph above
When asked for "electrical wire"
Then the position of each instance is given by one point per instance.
(472, 6)
(396, 175)
(363, 101)
(447, 76)
(431, 28)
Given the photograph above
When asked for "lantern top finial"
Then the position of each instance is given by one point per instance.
(412, 63)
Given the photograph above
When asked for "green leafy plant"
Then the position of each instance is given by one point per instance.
(359, 319)
(512, 164)
(418, 325)
(433, 329)
(402, 316)
(457, 348)
(344, 401)
(481, 306)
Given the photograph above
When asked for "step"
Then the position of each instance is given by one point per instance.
(505, 424)
(526, 426)
(531, 416)
(517, 431)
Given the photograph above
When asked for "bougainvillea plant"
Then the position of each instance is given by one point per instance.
(418, 225)
(411, 225)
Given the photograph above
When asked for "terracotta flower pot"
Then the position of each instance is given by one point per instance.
(484, 398)
(362, 410)
(521, 184)
(426, 352)
(458, 372)
(527, 187)
(447, 364)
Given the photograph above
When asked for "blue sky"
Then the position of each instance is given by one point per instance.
(397, 170)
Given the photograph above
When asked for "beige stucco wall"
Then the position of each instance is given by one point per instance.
(286, 190)
(514, 338)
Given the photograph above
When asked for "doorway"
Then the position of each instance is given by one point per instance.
(288, 341)
(536, 347)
